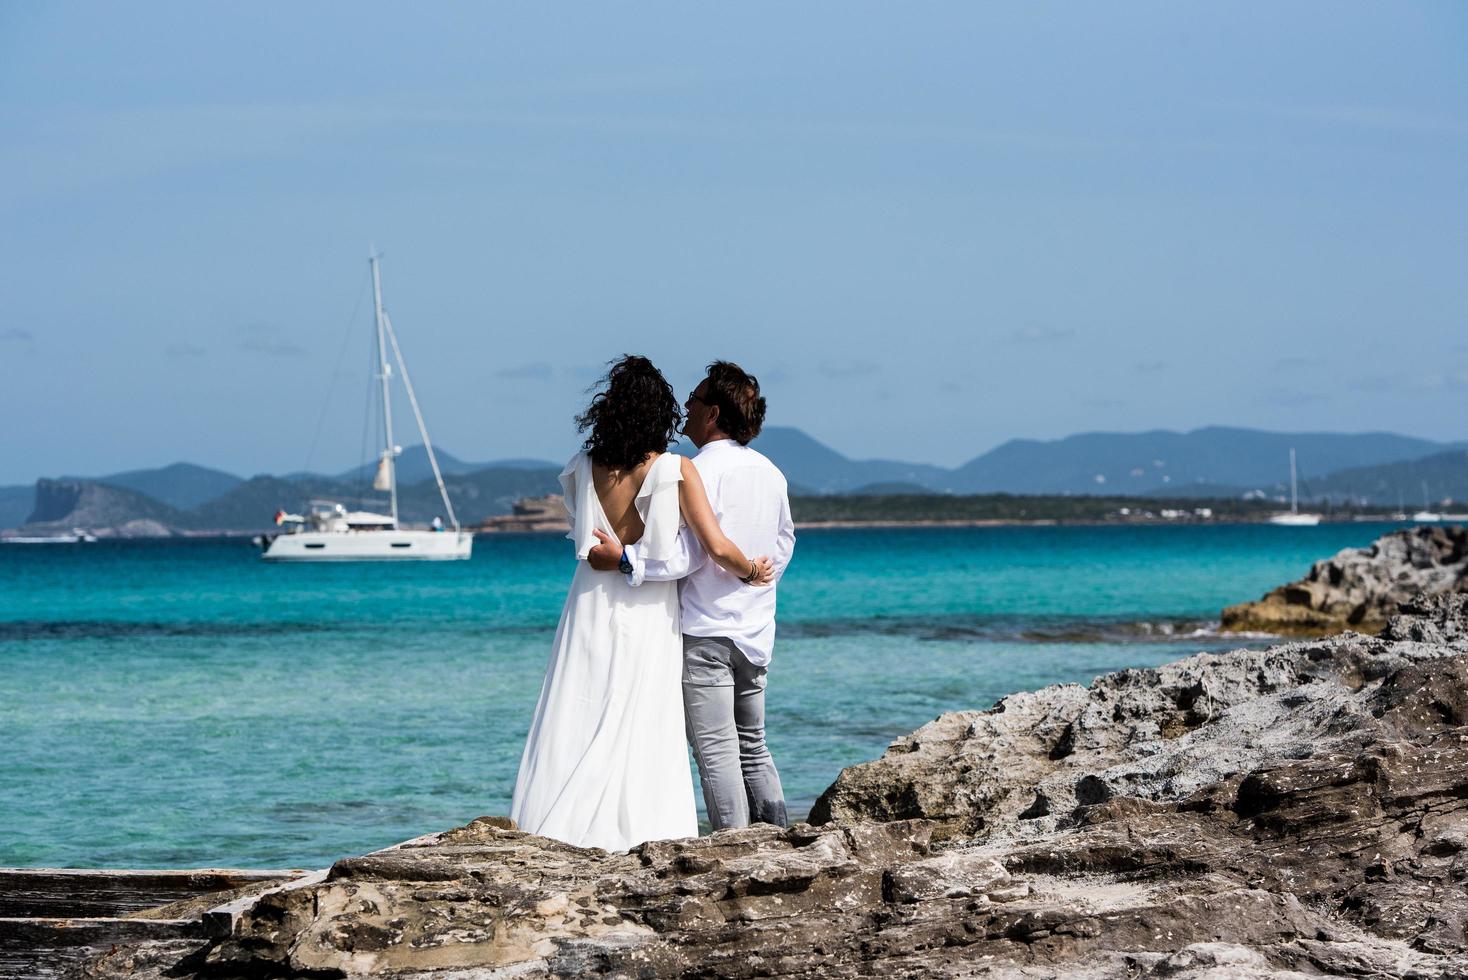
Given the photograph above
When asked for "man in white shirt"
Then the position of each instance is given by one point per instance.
(728, 626)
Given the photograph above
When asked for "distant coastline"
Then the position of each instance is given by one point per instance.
(1058, 522)
(1231, 474)
(857, 513)
(986, 510)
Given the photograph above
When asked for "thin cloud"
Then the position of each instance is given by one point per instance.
(20, 341)
(1380, 118)
(1296, 362)
(1295, 399)
(184, 349)
(1446, 382)
(1151, 367)
(841, 369)
(1417, 384)
(94, 148)
(1035, 333)
(1374, 382)
(1383, 118)
(535, 371)
(649, 79)
(273, 348)
(590, 373)
(261, 338)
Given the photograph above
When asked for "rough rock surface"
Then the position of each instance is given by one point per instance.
(1360, 588)
(106, 511)
(1290, 812)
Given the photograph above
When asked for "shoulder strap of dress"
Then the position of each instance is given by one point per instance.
(657, 505)
(581, 503)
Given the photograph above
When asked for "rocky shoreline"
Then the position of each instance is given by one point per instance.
(1360, 588)
(1277, 813)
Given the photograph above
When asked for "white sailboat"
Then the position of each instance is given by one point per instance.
(1426, 515)
(328, 531)
(1294, 518)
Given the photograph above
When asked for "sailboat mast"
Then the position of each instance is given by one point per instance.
(384, 372)
(1294, 497)
(443, 492)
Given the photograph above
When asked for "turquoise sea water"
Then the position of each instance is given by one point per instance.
(182, 704)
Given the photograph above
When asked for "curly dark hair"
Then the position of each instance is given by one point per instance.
(634, 414)
(741, 406)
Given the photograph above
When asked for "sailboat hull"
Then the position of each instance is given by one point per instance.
(398, 545)
(1295, 520)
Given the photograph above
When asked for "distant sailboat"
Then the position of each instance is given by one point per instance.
(77, 536)
(1426, 515)
(331, 532)
(1294, 518)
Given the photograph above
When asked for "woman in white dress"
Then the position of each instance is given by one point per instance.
(606, 761)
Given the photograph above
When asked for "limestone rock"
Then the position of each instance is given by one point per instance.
(1290, 812)
(1360, 588)
(106, 511)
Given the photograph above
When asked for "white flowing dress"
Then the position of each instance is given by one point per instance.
(606, 761)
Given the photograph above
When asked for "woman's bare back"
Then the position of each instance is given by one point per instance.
(617, 490)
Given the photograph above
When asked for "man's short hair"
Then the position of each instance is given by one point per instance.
(741, 406)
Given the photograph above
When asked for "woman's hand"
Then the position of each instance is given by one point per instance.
(764, 571)
(607, 555)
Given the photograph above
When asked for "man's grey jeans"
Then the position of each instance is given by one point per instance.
(724, 704)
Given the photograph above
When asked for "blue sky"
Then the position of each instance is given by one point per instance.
(928, 228)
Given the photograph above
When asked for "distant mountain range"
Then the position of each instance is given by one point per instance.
(1426, 482)
(251, 504)
(815, 468)
(1375, 468)
(182, 485)
(413, 467)
(1163, 462)
(1213, 461)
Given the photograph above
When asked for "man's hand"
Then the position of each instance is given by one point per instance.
(764, 571)
(607, 555)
